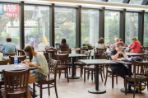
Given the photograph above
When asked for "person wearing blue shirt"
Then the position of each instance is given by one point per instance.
(9, 48)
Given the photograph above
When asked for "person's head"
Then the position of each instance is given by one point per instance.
(134, 39)
(119, 48)
(29, 50)
(101, 40)
(63, 41)
(8, 39)
(117, 40)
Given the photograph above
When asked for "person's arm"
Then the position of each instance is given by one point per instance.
(115, 57)
(31, 64)
(132, 45)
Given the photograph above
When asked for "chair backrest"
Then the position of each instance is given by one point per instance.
(20, 52)
(51, 52)
(88, 54)
(100, 53)
(16, 80)
(63, 58)
(20, 58)
(140, 68)
(53, 68)
(5, 62)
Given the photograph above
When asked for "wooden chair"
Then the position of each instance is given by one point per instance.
(100, 53)
(80, 64)
(20, 58)
(91, 70)
(140, 75)
(20, 52)
(109, 73)
(5, 62)
(63, 64)
(15, 84)
(51, 52)
(113, 76)
(51, 81)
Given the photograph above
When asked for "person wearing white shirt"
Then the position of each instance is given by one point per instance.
(37, 60)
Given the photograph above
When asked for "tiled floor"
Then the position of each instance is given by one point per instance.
(76, 88)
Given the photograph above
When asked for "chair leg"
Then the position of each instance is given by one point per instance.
(134, 90)
(67, 75)
(26, 95)
(116, 79)
(125, 85)
(59, 74)
(88, 72)
(92, 72)
(112, 81)
(106, 78)
(84, 75)
(56, 89)
(33, 90)
(101, 76)
(81, 71)
(48, 89)
(40, 90)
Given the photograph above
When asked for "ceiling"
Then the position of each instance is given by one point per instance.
(131, 2)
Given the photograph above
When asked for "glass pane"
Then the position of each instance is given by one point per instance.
(10, 23)
(90, 27)
(92, 0)
(145, 29)
(135, 1)
(131, 27)
(115, 0)
(65, 25)
(37, 26)
(111, 26)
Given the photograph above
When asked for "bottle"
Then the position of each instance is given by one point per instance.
(15, 59)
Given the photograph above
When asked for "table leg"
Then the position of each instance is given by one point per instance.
(97, 89)
(73, 76)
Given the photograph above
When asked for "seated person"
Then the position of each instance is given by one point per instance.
(1, 56)
(64, 46)
(9, 47)
(119, 68)
(37, 60)
(101, 44)
(136, 46)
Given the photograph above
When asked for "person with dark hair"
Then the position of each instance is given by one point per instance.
(37, 60)
(9, 48)
(64, 46)
(101, 44)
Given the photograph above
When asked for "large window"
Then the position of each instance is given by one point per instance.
(37, 26)
(136, 1)
(146, 29)
(111, 26)
(90, 27)
(65, 25)
(9, 23)
(116, 1)
(131, 29)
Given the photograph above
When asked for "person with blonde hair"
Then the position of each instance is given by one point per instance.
(136, 46)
